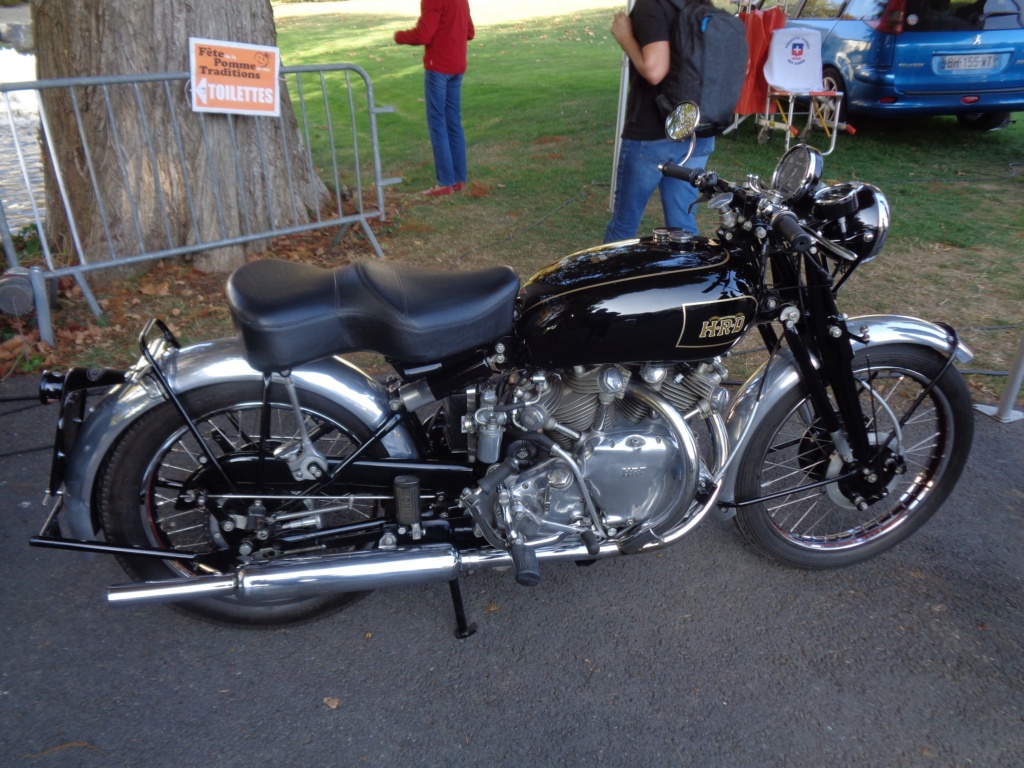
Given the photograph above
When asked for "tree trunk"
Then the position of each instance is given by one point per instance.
(76, 38)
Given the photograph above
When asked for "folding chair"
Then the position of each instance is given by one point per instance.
(793, 74)
(759, 25)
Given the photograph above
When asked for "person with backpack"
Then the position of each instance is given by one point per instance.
(644, 37)
(444, 28)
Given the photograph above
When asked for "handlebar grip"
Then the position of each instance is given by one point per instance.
(787, 225)
(691, 175)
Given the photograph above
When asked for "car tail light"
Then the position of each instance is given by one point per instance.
(891, 20)
(970, 99)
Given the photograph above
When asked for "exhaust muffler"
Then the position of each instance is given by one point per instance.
(346, 572)
(286, 579)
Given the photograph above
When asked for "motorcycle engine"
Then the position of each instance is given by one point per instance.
(591, 457)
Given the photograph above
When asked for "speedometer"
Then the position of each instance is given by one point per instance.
(798, 170)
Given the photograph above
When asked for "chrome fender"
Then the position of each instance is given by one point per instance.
(746, 410)
(202, 365)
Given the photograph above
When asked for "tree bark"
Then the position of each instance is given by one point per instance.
(230, 198)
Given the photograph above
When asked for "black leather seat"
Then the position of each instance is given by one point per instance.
(288, 313)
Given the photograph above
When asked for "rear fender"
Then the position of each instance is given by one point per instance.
(764, 389)
(199, 366)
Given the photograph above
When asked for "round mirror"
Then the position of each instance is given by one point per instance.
(682, 121)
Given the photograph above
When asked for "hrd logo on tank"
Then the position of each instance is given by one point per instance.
(722, 326)
(236, 78)
(712, 323)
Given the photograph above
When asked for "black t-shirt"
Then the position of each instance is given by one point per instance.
(652, 20)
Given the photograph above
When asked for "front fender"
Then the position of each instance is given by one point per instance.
(764, 389)
(202, 365)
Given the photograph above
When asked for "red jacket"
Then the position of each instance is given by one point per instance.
(444, 28)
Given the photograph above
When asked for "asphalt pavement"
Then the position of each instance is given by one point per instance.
(703, 655)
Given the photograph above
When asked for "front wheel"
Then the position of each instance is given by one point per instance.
(158, 489)
(848, 521)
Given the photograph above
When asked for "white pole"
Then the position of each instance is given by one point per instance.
(1005, 412)
(620, 121)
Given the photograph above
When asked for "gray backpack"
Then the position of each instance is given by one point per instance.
(708, 66)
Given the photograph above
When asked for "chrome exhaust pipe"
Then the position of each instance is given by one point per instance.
(347, 572)
(287, 579)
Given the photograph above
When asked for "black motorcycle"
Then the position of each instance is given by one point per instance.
(582, 415)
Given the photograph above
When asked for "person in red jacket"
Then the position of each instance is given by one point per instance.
(444, 28)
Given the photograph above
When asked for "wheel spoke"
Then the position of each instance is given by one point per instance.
(235, 420)
(790, 502)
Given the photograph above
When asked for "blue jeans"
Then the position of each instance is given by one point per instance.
(639, 176)
(443, 95)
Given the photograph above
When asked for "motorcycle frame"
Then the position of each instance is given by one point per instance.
(222, 361)
(819, 355)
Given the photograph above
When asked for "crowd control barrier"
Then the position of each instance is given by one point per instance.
(336, 117)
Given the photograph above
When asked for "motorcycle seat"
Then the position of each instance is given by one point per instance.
(288, 313)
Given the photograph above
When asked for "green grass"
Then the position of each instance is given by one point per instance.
(540, 103)
(539, 107)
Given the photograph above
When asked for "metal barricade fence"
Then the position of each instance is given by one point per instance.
(334, 125)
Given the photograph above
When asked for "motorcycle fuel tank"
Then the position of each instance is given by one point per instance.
(651, 300)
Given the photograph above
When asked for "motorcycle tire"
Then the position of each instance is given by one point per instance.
(158, 463)
(824, 527)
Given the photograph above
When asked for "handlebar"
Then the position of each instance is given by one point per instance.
(787, 225)
(690, 175)
(785, 222)
(704, 180)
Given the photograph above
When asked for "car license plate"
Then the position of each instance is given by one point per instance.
(971, 62)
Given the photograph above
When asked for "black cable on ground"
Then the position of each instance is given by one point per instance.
(993, 327)
(19, 410)
(26, 450)
(36, 404)
(20, 399)
(1013, 173)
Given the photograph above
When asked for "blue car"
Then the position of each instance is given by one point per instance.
(896, 58)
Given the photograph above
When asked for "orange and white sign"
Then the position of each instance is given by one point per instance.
(238, 78)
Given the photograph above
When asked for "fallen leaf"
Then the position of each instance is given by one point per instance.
(14, 343)
(155, 289)
(69, 745)
(331, 702)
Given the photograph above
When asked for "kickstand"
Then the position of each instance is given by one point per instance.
(462, 629)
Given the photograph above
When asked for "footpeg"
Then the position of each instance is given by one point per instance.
(524, 562)
(592, 542)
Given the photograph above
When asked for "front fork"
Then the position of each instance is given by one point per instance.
(845, 423)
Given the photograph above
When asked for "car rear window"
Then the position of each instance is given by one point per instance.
(941, 15)
(817, 9)
(923, 15)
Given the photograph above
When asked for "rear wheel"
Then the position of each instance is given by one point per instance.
(851, 520)
(159, 490)
(984, 121)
